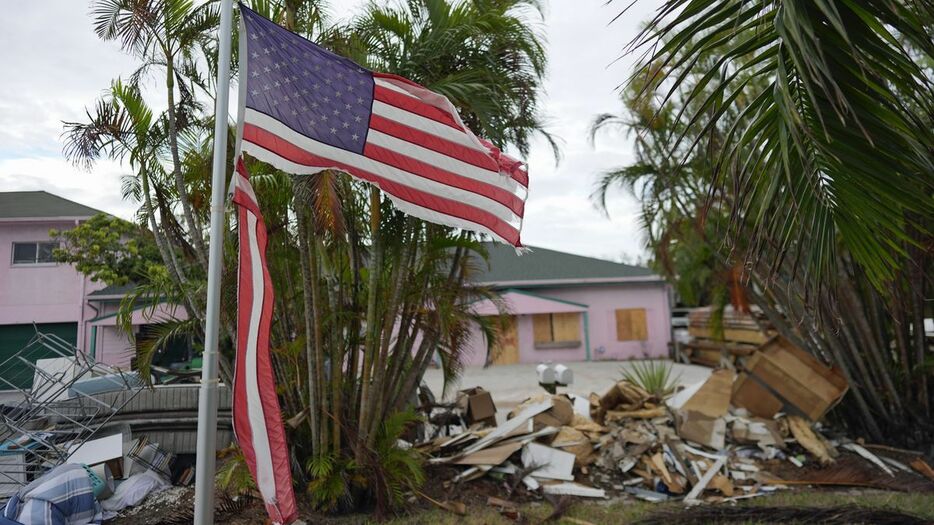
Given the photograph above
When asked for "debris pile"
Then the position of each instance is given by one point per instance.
(732, 436)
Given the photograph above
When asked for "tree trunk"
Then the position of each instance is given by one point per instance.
(313, 420)
(194, 229)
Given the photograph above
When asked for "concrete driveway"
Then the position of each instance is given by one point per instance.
(511, 384)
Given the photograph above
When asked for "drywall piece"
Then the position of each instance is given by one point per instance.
(552, 463)
(573, 489)
(704, 480)
(96, 451)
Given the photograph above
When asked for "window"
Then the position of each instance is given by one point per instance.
(557, 330)
(631, 325)
(33, 252)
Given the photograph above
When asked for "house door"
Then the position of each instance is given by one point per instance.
(506, 350)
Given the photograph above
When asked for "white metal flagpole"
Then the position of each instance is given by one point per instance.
(207, 403)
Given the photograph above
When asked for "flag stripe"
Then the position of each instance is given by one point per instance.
(428, 126)
(413, 105)
(404, 206)
(264, 479)
(269, 133)
(435, 143)
(393, 158)
(286, 151)
(257, 416)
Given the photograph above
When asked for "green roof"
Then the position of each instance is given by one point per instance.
(114, 289)
(40, 204)
(506, 268)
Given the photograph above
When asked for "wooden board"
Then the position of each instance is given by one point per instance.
(731, 334)
(566, 327)
(541, 328)
(631, 324)
(506, 349)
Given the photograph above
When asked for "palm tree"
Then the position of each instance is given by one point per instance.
(165, 34)
(735, 128)
(836, 125)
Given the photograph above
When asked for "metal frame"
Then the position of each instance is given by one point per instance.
(50, 418)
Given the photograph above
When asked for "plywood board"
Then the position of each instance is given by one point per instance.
(566, 326)
(631, 324)
(713, 397)
(541, 328)
(506, 349)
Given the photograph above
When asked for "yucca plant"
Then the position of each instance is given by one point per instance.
(655, 377)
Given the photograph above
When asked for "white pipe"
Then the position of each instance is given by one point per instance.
(207, 404)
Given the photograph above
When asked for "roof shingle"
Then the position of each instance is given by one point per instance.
(36, 204)
(541, 264)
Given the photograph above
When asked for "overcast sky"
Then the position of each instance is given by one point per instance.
(54, 66)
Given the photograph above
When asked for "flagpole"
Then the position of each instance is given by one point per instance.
(207, 401)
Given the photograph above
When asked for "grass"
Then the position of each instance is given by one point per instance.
(600, 512)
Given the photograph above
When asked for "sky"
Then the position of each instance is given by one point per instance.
(55, 66)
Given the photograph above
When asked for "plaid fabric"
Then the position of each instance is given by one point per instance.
(63, 496)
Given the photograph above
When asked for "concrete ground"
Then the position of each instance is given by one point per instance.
(511, 384)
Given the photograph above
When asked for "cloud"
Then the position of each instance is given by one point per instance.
(54, 66)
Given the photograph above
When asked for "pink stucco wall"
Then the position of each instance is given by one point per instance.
(41, 293)
(602, 302)
(57, 293)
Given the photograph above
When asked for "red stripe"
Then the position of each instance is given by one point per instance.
(423, 169)
(433, 142)
(443, 205)
(414, 105)
(244, 305)
(266, 383)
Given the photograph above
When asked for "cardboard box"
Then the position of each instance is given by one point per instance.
(754, 397)
(477, 405)
(802, 383)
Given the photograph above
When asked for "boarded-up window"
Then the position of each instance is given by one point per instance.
(557, 330)
(631, 325)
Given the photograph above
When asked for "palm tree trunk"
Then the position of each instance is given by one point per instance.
(194, 229)
(372, 330)
(313, 420)
(320, 380)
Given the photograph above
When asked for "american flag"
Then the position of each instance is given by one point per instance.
(305, 109)
(256, 414)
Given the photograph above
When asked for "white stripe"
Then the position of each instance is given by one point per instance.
(427, 125)
(440, 160)
(239, 182)
(265, 479)
(404, 206)
(386, 171)
(382, 82)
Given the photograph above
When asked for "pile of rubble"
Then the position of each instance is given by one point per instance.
(732, 436)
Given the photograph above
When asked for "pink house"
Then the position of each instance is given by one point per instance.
(562, 307)
(55, 297)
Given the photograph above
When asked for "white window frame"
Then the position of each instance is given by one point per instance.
(36, 262)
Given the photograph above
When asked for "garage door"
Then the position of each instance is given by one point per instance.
(14, 338)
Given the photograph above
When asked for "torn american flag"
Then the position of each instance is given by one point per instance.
(305, 109)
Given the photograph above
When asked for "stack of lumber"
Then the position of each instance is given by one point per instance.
(735, 335)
